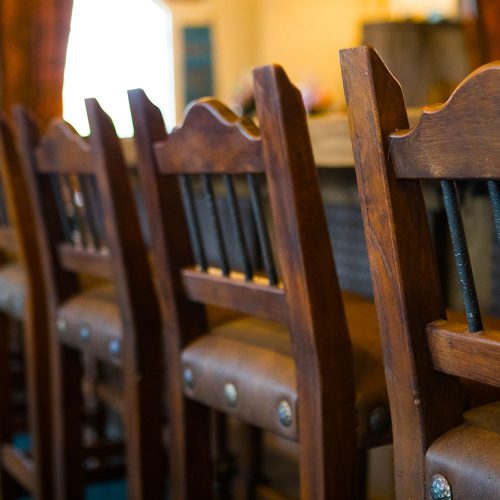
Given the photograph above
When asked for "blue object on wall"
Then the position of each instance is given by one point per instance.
(198, 67)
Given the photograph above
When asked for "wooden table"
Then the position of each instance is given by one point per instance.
(331, 140)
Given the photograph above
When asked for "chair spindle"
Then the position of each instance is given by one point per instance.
(234, 213)
(65, 218)
(214, 215)
(494, 191)
(461, 254)
(92, 209)
(262, 232)
(193, 221)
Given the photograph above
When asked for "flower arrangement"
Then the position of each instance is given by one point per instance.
(316, 98)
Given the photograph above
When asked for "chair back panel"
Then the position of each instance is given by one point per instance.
(452, 141)
(455, 140)
(407, 288)
(298, 283)
(21, 228)
(67, 159)
(62, 150)
(212, 140)
(87, 213)
(213, 153)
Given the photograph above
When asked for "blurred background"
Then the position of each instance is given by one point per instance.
(182, 49)
(55, 53)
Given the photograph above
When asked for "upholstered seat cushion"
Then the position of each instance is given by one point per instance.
(468, 456)
(12, 289)
(90, 321)
(255, 356)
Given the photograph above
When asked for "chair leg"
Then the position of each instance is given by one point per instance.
(361, 474)
(38, 383)
(95, 410)
(327, 450)
(250, 454)
(68, 420)
(145, 453)
(192, 470)
(221, 456)
(8, 487)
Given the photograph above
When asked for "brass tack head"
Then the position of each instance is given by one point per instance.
(114, 347)
(440, 488)
(85, 333)
(188, 377)
(285, 413)
(380, 420)
(231, 394)
(62, 325)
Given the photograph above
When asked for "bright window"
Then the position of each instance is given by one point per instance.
(116, 45)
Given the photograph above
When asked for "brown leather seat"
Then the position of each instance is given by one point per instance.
(256, 357)
(90, 321)
(12, 289)
(468, 456)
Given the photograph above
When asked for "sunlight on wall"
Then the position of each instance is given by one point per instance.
(423, 8)
(305, 37)
(116, 45)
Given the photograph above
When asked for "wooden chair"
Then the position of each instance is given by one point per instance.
(288, 366)
(87, 225)
(22, 299)
(439, 451)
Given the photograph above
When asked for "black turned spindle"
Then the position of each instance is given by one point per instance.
(74, 204)
(64, 217)
(213, 213)
(92, 209)
(262, 232)
(193, 221)
(234, 212)
(494, 190)
(461, 254)
(4, 219)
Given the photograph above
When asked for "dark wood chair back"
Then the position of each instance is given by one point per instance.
(17, 229)
(216, 151)
(423, 352)
(86, 211)
(87, 224)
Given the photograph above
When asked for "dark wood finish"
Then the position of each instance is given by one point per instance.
(456, 351)
(78, 260)
(36, 331)
(212, 140)
(55, 162)
(63, 151)
(423, 353)
(443, 144)
(8, 239)
(208, 152)
(230, 292)
(8, 485)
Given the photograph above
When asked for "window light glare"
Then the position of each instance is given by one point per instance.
(116, 45)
